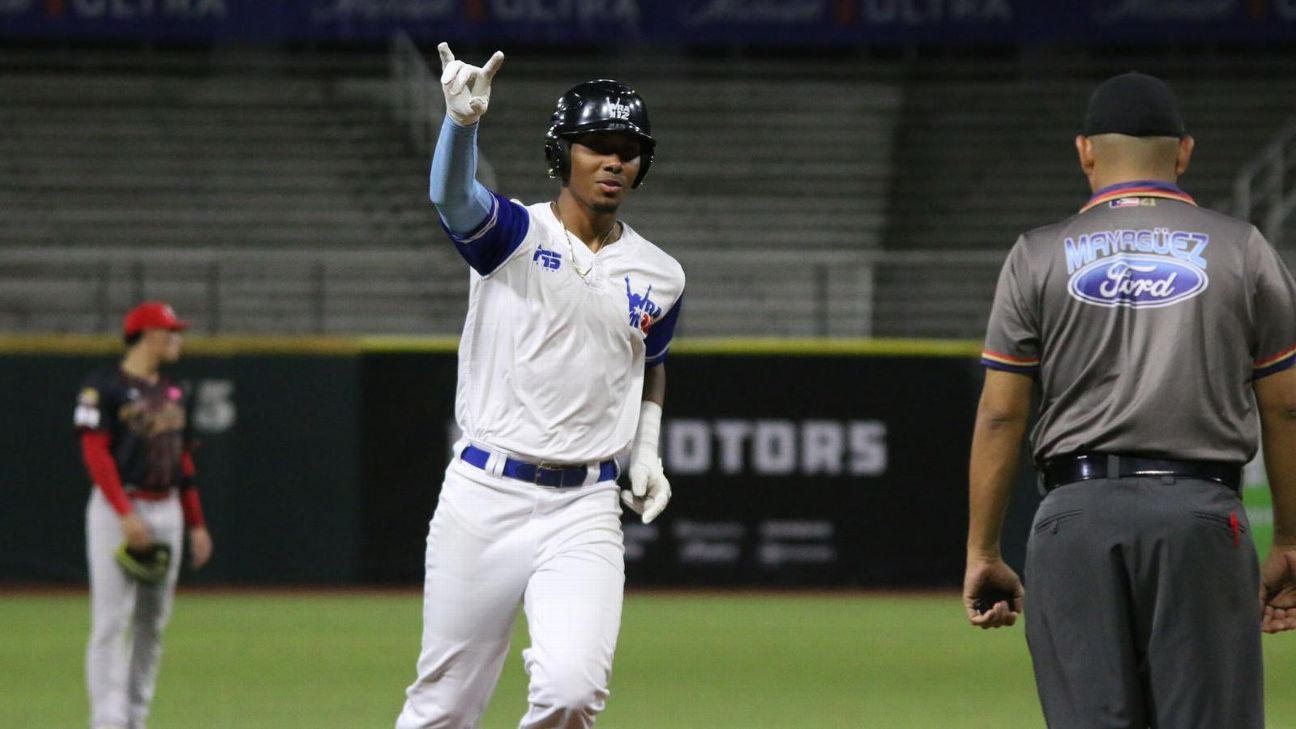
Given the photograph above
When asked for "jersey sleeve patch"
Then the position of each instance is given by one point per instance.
(496, 239)
(1009, 363)
(657, 343)
(1275, 364)
(86, 416)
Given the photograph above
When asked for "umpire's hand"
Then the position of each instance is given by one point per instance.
(466, 88)
(1278, 590)
(988, 575)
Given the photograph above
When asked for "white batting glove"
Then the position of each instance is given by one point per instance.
(467, 88)
(649, 490)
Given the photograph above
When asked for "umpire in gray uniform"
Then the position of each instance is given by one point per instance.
(1154, 332)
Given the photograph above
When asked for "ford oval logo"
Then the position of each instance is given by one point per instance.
(1140, 282)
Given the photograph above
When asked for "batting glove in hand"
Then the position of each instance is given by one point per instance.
(467, 88)
(649, 490)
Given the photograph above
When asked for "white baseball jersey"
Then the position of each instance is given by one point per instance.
(551, 362)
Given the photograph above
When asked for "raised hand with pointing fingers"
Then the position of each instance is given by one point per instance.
(467, 88)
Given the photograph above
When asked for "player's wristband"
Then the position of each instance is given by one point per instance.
(649, 433)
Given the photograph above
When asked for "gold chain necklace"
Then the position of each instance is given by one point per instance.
(571, 249)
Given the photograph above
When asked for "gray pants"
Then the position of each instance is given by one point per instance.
(127, 617)
(1142, 607)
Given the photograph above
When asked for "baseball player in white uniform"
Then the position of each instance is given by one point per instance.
(561, 372)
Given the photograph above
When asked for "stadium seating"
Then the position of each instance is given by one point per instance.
(113, 164)
(875, 199)
(985, 153)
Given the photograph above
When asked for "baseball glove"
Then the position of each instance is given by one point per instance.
(148, 565)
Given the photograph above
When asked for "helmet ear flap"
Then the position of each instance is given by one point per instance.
(646, 160)
(558, 155)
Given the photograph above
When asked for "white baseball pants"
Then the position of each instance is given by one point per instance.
(126, 618)
(495, 543)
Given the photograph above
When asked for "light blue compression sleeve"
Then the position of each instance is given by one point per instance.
(462, 201)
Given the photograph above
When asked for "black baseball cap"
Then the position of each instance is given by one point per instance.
(1135, 104)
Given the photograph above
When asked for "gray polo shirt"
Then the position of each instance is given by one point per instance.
(1145, 319)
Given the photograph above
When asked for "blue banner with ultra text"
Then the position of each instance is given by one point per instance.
(702, 22)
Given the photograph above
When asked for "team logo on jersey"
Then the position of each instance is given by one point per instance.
(547, 259)
(86, 414)
(1133, 202)
(152, 416)
(1139, 282)
(1183, 245)
(643, 310)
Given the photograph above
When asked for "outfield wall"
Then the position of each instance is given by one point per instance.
(793, 463)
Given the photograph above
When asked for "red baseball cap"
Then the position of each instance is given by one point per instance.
(152, 315)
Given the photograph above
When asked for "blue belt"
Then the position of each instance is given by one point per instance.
(556, 476)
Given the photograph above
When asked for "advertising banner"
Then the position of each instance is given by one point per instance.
(613, 22)
(788, 469)
(812, 470)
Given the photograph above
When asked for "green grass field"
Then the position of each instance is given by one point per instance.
(342, 661)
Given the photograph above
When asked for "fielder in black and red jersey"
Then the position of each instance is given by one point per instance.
(136, 440)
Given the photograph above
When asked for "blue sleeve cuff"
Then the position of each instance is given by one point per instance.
(1273, 365)
(487, 246)
(657, 344)
(1002, 367)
